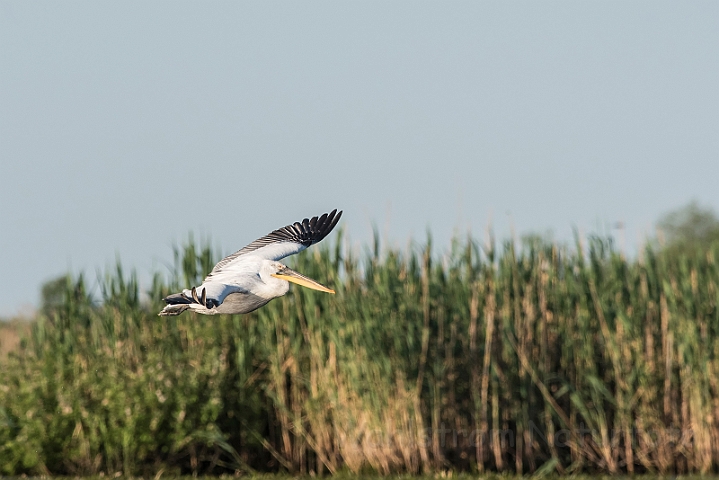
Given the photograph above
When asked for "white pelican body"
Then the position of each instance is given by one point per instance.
(251, 277)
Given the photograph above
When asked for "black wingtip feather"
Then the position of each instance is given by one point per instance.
(308, 232)
(317, 228)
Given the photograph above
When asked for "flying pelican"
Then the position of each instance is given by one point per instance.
(251, 277)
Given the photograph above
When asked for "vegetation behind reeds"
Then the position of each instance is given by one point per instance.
(541, 359)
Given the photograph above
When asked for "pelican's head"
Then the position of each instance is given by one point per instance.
(283, 272)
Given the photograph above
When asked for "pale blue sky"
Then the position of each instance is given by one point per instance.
(126, 125)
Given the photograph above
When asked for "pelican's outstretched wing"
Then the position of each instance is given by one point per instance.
(285, 241)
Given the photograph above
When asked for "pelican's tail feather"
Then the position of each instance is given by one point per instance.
(172, 310)
(176, 304)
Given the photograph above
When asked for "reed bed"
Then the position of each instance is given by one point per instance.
(11, 333)
(537, 358)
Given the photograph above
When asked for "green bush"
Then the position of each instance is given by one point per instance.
(535, 359)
